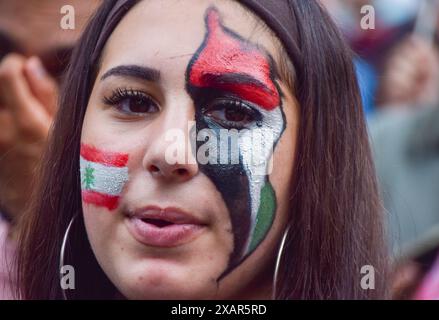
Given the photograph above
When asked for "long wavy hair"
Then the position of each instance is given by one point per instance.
(335, 217)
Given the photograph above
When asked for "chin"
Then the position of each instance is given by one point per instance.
(171, 288)
(161, 281)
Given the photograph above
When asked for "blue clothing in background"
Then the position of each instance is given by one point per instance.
(367, 80)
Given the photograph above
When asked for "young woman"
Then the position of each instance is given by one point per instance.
(150, 188)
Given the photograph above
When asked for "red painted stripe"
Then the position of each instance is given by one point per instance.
(224, 54)
(111, 159)
(100, 199)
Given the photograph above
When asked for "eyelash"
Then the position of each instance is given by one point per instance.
(121, 95)
(217, 110)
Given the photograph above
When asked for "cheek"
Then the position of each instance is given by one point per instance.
(107, 150)
(281, 179)
(103, 231)
(103, 129)
(103, 176)
(245, 187)
(282, 174)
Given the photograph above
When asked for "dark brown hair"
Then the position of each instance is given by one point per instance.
(335, 212)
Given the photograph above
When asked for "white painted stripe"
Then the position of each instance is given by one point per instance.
(107, 180)
(273, 120)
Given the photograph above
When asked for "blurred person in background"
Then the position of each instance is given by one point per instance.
(347, 15)
(411, 76)
(398, 72)
(389, 55)
(405, 141)
(34, 51)
(405, 138)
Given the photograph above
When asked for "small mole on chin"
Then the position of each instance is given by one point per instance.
(229, 230)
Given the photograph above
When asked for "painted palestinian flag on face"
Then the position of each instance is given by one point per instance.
(226, 66)
(103, 176)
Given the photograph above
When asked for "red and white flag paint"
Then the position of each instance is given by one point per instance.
(103, 176)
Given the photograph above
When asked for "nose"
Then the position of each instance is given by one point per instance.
(177, 172)
(169, 156)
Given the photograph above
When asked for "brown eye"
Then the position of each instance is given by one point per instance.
(137, 105)
(232, 114)
(132, 102)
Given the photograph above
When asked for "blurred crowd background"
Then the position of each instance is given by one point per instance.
(397, 64)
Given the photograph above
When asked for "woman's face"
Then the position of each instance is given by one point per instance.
(187, 153)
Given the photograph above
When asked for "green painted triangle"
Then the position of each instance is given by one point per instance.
(265, 216)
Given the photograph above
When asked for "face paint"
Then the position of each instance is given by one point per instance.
(103, 176)
(227, 66)
(228, 63)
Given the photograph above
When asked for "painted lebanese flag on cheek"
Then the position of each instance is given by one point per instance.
(103, 176)
(224, 54)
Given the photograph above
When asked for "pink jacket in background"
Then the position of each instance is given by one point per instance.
(7, 250)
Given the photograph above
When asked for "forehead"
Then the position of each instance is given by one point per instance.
(166, 34)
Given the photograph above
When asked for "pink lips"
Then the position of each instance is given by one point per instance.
(168, 227)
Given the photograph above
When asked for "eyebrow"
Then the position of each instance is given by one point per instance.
(134, 71)
(235, 79)
(245, 85)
